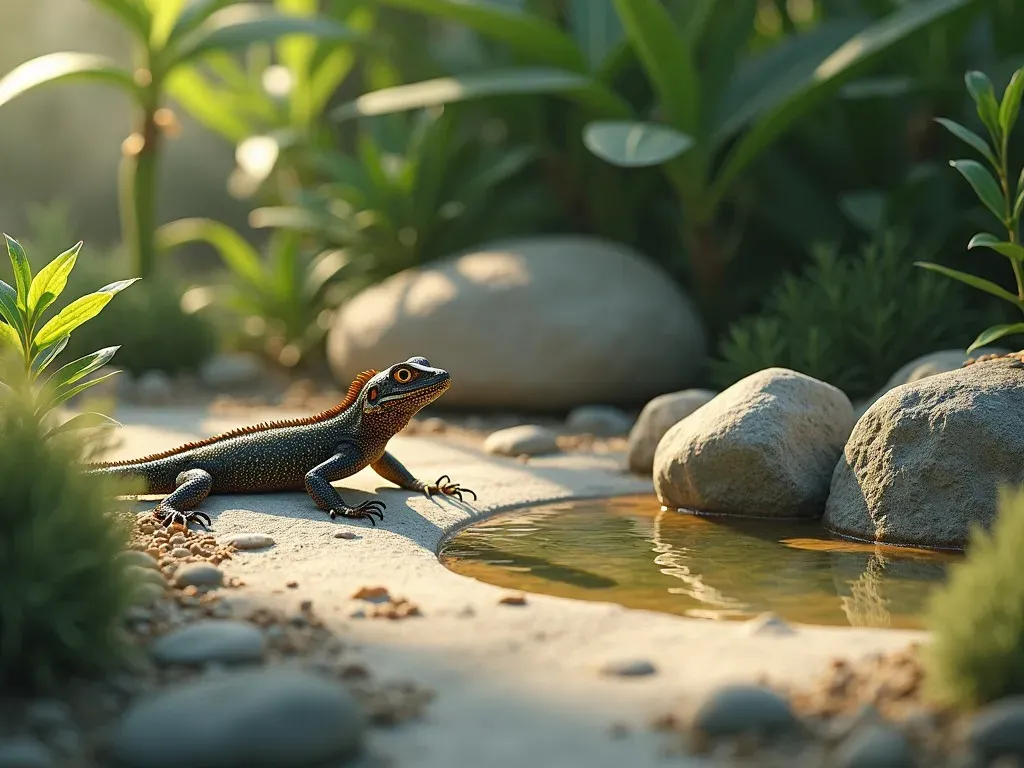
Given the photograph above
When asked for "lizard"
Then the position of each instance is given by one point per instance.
(306, 453)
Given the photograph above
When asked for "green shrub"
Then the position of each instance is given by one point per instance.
(977, 618)
(849, 321)
(64, 587)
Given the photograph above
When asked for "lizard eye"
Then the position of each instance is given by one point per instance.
(372, 395)
(403, 375)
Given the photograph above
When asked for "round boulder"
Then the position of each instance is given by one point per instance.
(545, 323)
(926, 460)
(765, 447)
(654, 421)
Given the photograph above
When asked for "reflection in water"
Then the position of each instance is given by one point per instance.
(629, 551)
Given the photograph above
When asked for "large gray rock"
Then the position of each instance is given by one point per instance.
(931, 364)
(927, 459)
(765, 447)
(545, 323)
(656, 418)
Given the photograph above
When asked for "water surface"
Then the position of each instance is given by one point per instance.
(628, 551)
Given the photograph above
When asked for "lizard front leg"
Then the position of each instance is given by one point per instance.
(343, 463)
(392, 470)
(191, 487)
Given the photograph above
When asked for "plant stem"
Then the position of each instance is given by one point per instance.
(140, 152)
(1004, 181)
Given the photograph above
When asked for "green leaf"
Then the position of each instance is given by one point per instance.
(242, 25)
(63, 395)
(984, 185)
(1018, 206)
(9, 308)
(77, 312)
(87, 420)
(968, 136)
(77, 369)
(134, 15)
(449, 90)
(1010, 107)
(210, 105)
(22, 271)
(192, 15)
(596, 28)
(981, 90)
(535, 39)
(668, 60)
(236, 252)
(828, 77)
(975, 282)
(631, 144)
(1010, 250)
(47, 355)
(9, 335)
(50, 282)
(54, 67)
(995, 333)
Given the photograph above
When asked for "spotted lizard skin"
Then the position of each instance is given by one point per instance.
(302, 454)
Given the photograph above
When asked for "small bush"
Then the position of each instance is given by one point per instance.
(64, 587)
(849, 321)
(977, 618)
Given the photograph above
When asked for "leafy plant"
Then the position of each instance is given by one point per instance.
(1003, 198)
(715, 110)
(424, 189)
(283, 301)
(40, 342)
(848, 321)
(169, 35)
(977, 650)
(61, 534)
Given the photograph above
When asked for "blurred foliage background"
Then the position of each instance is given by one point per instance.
(787, 173)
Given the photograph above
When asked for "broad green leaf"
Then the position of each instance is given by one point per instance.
(50, 281)
(692, 19)
(596, 28)
(1010, 250)
(968, 136)
(22, 271)
(668, 59)
(235, 251)
(77, 312)
(210, 105)
(1010, 107)
(242, 25)
(975, 282)
(9, 308)
(631, 144)
(984, 185)
(71, 372)
(62, 395)
(984, 95)
(995, 333)
(448, 90)
(87, 420)
(192, 15)
(9, 336)
(47, 355)
(843, 64)
(535, 39)
(54, 67)
(133, 13)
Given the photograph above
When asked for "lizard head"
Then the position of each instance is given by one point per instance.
(404, 388)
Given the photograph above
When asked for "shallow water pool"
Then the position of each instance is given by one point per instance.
(628, 551)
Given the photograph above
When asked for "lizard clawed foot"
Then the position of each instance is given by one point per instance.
(446, 487)
(362, 510)
(168, 516)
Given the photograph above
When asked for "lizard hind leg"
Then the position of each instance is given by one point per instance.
(192, 486)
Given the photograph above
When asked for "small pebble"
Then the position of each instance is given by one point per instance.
(259, 719)
(875, 746)
(344, 535)
(180, 552)
(140, 559)
(292, 585)
(768, 624)
(199, 575)
(24, 752)
(248, 541)
(528, 439)
(178, 538)
(147, 594)
(512, 600)
(226, 641)
(998, 729)
(737, 709)
(145, 575)
(629, 668)
(598, 420)
(372, 594)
